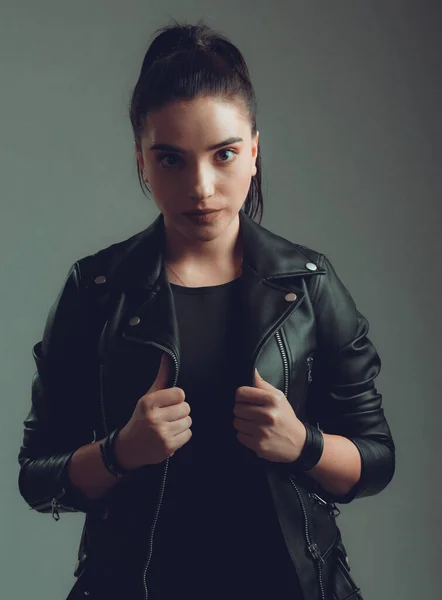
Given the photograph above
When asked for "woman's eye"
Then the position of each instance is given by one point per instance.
(228, 150)
(161, 157)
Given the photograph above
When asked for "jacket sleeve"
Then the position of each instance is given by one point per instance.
(61, 417)
(343, 398)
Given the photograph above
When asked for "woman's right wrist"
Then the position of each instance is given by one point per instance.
(114, 462)
(120, 451)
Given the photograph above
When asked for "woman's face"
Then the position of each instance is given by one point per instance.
(191, 176)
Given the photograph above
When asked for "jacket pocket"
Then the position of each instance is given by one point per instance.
(343, 585)
(307, 375)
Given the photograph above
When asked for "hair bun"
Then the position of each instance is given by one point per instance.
(172, 41)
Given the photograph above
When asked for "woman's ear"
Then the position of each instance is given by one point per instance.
(139, 156)
(255, 153)
(140, 160)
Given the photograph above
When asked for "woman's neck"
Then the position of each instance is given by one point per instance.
(213, 266)
(202, 275)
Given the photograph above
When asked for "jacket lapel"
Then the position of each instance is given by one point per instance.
(271, 288)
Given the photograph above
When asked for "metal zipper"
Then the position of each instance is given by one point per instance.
(55, 506)
(309, 367)
(51, 501)
(331, 506)
(312, 546)
(285, 363)
(163, 483)
(309, 360)
(286, 366)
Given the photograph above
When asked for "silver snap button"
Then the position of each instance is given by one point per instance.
(134, 321)
(290, 297)
(311, 266)
(100, 279)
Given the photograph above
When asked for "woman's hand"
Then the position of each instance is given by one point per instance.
(266, 422)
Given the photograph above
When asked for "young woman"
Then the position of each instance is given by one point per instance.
(200, 477)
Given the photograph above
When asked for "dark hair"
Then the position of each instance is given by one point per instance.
(189, 61)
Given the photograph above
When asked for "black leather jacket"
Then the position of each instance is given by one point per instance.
(305, 336)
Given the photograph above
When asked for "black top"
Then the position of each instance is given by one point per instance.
(217, 534)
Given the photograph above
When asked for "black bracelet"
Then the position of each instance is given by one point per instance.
(108, 455)
(311, 452)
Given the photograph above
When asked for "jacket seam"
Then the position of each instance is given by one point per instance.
(317, 280)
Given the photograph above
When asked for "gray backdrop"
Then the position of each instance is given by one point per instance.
(350, 131)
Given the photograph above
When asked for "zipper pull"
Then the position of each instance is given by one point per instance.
(315, 552)
(55, 506)
(318, 499)
(309, 367)
(334, 510)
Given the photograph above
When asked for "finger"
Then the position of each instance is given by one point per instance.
(247, 395)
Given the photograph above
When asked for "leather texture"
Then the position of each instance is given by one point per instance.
(312, 345)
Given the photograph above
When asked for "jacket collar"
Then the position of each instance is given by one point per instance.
(272, 268)
(266, 255)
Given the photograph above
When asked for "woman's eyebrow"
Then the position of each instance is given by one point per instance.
(232, 140)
